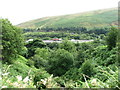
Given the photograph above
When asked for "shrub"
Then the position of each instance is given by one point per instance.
(68, 45)
(32, 45)
(79, 58)
(60, 62)
(14, 79)
(40, 74)
(48, 82)
(87, 68)
(72, 74)
(41, 57)
(112, 38)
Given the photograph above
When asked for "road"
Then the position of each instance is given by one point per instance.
(75, 41)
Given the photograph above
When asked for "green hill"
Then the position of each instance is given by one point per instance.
(91, 19)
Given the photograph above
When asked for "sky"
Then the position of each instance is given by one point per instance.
(19, 11)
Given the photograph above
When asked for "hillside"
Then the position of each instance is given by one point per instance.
(41, 65)
(91, 19)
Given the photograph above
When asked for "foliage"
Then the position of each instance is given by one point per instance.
(79, 59)
(16, 82)
(60, 61)
(41, 57)
(48, 82)
(40, 74)
(10, 80)
(32, 45)
(57, 65)
(88, 68)
(59, 34)
(12, 41)
(73, 74)
(111, 75)
(17, 67)
(112, 38)
(19, 74)
(104, 57)
(67, 45)
(53, 45)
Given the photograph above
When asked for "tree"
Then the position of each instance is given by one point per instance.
(60, 62)
(112, 38)
(12, 41)
(87, 68)
(53, 45)
(79, 59)
(41, 57)
(32, 45)
(68, 45)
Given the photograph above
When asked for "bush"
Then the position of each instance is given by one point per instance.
(79, 58)
(72, 74)
(53, 45)
(68, 45)
(48, 82)
(111, 76)
(112, 38)
(16, 79)
(87, 68)
(40, 74)
(41, 57)
(60, 62)
(32, 45)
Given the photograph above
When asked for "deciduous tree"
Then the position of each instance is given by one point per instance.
(12, 41)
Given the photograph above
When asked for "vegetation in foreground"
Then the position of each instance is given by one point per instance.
(71, 65)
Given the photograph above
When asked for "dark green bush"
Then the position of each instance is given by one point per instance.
(60, 62)
(88, 68)
(33, 45)
(72, 74)
(79, 59)
(41, 57)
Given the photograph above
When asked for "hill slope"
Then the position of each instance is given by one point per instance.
(98, 18)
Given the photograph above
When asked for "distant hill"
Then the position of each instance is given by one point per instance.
(91, 19)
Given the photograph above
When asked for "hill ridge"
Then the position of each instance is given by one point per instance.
(101, 18)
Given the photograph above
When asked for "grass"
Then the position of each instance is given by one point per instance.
(99, 18)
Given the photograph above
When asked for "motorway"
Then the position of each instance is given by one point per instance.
(75, 41)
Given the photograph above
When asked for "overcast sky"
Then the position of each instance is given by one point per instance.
(18, 11)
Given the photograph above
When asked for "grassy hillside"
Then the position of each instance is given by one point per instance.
(98, 18)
